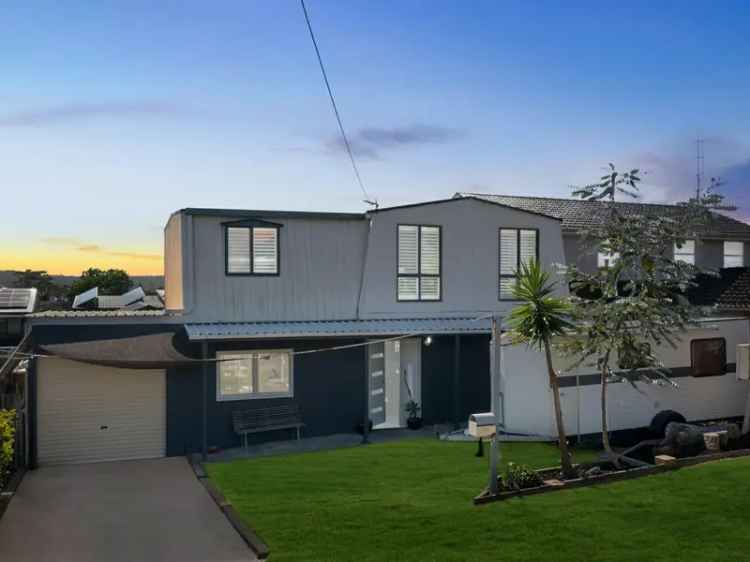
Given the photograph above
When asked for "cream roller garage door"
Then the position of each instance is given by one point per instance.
(89, 413)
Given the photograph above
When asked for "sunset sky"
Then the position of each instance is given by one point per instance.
(115, 114)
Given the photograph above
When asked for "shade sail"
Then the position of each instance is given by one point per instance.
(152, 351)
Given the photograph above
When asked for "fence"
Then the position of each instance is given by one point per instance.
(20, 445)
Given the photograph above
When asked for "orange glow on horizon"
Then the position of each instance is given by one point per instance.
(67, 261)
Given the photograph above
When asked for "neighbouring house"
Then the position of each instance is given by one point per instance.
(271, 308)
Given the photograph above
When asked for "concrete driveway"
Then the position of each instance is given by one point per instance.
(130, 511)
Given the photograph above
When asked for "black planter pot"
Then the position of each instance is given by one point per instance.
(414, 423)
(360, 426)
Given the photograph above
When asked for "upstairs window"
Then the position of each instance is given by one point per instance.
(517, 246)
(734, 254)
(606, 259)
(252, 250)
(685, 252)
(419, 263)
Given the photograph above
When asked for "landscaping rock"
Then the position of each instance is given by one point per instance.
(713, 441)
(593, 471)
(682, 440)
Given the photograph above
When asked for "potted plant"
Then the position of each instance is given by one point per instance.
(414, 421)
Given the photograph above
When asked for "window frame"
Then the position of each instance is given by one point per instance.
(500, 274)
(251, 226)
(724, 253)
(692, 357)
(418, 276)
(253, 353)
(676, 253)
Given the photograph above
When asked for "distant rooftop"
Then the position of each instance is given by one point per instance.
(578, 215)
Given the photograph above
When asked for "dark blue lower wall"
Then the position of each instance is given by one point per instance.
(329, 387)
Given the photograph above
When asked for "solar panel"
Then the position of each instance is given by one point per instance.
(17, 300)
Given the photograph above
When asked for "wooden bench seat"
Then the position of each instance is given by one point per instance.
(259, 420)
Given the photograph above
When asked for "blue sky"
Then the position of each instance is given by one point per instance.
(115, 114)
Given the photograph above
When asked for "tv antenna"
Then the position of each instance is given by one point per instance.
(699, 167)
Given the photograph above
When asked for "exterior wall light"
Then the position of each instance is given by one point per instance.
(428, 340)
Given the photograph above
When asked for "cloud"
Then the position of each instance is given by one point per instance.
(80, 246)
(670, 171)
(61, 240)
(90, 248)
(370, 142)
(135, 256)
(76, 112)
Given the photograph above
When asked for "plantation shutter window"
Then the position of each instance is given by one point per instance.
(252, 250)
(685, 252)
(734, 254)
(419, 263)
(238, 250)
(516, 246)
(265, 250)
(408, 249)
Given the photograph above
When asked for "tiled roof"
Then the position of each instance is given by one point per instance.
(383, 327)
(737, 296)
(578, 215)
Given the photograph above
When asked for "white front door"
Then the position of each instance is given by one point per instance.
(400, 382)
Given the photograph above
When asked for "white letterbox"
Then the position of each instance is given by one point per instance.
(482, 425)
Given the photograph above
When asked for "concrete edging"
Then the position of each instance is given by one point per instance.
(248, 534)
(628, 474)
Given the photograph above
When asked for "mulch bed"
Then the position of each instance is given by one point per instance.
(554, 485)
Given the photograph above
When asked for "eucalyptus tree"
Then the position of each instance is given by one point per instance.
(542, 317)
(638, 298)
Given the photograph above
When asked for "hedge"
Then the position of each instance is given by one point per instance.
(7, 434)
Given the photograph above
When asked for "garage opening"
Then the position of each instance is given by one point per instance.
(90, 413)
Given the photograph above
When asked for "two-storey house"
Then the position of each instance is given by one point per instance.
(346, 316)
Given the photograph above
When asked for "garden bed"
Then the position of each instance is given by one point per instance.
(11, 486)
(553, 483)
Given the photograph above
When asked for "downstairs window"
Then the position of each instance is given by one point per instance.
(245, 375)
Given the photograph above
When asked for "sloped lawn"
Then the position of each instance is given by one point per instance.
(411, 500)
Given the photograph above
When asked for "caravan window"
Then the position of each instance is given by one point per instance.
(708, 357)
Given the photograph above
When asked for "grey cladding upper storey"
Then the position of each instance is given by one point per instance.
(322, 259)
(320, 264)
(469, 238)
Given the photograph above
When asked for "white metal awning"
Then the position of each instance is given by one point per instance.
(340, 328)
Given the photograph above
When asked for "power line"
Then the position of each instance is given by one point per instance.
(336, 109)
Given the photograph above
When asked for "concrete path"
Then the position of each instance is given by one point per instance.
(130, 511)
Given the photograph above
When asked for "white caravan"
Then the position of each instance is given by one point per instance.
(703, 391)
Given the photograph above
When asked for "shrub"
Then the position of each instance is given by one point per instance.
(519, 476)
(7, 434)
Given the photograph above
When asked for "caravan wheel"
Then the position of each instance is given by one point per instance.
(659, 423)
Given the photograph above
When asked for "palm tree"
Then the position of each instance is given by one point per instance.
(536, 322)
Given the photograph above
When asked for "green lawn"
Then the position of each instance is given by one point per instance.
(411, 500)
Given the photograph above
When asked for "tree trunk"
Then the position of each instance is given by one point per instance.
(565, 462)
(605, 427)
